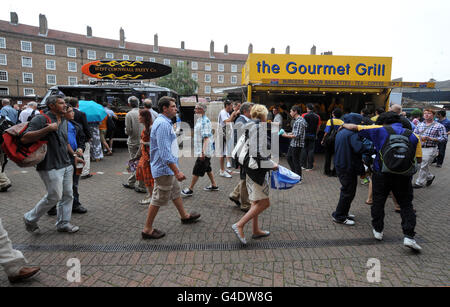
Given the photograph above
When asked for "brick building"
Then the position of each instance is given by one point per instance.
(33, 59)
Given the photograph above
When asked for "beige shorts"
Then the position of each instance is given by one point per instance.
(166, 188)
(258, 192)
(103, 136)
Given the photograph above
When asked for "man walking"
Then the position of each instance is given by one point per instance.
(29, 112)
(5, 183)
(202, 150)
(441, 116)
(133, 129)
(313, 121)
(297, 140)
(224, 119)
(240, 194)
(165, 171)
(385, 182)
(348, 164)
(148, 106)
(8, 111)
(56, 170)
(431, 133)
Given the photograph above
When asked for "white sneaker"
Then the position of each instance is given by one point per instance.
(412, 244)
(347, 222)
(229, 164)
(377, 235)
(225, 174)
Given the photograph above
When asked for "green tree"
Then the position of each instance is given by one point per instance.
(179, 80)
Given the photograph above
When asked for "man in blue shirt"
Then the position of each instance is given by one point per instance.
(441, 115)
(8, 111)
(384, 183)
(165, 171)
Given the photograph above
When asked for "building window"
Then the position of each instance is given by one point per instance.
(28, 91)
(72, 66)
(208, 66)
(220, 78)
(166, 62)
(27, 77)
(73, 80)
(180, 63)
(207, 89)
(26, 46)
(109, 55)
(207, 78)
(92, 55)
(194, 65)
(139, 58)
(233, 68)
(27, 62)
(51, 79)
(233, 79)
(126, 57)
(50, 64)
(50, 49)
(2, 42)
(221, 67)
(3, 75)
(4, 91)
(195, 76)
(152, 60)
(3, 59)
(71, 52)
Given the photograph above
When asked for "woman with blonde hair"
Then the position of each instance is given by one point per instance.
(257, 180)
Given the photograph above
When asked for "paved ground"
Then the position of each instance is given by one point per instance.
(305, 249)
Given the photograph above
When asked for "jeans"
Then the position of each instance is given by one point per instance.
(401, 187)
(76, 195)
(329, 152)
(349, 182)
(293, 158)
(307, 156)
(440, 158)
(59, 192)
(12, 260)
(428, 155)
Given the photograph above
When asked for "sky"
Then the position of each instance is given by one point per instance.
(414, 33)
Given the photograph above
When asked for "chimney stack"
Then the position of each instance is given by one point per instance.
(155, 44)
(211, 49)
(250, 48)
(122, 38)
(89, 31)
(43, 26)
(182, 45)
(288, 50)
(14, 19)
(313, 50)
(272, 51)
(225, 50)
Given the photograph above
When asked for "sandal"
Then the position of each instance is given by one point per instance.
(263, 235)
(369, 203)
(192, 218)
(236, 232)
(156, 234)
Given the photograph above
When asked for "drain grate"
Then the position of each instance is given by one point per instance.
(140, 247)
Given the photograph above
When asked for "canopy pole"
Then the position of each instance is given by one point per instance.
(249, 93)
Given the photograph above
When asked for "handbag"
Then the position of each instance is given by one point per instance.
(284, 179)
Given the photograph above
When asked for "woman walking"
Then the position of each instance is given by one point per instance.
(96, 145)
(257, 180)
(143, 171)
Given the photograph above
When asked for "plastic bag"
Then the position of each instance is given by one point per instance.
(284, 179)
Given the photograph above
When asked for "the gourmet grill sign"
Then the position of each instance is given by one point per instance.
(125, 70)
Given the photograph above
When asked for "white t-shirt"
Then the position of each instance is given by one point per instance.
(26, 113)
(223, 116)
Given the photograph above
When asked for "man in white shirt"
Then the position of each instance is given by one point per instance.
(31, 109)
(224, 119)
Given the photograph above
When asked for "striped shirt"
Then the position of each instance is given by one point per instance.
(202, 130)
(163, 147)
(299, 132)
(434, 130)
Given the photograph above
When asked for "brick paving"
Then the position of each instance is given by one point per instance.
(298, 215)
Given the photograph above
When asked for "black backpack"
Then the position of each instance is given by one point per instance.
(331, 136)
(33, 114)
(398, 155)
(4, 125)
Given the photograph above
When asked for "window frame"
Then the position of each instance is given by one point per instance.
(51, 76)
(3, 45)
(208, 81)
(71, 56)
(231, 79)
(208, 65)
(68, 67)
(6, 74)
(90, 57)
(235, 70)
(125, 57)
(139, 58)
(68, 80)
(153, 60)
(46, 50)
(23, 77)
(28, 88)
(31, 61)
(221, 65)
(110, 53)
(207, 87)
(218, 79)
(46, 64)
(22, 44)
(196, 76)
(166, 62)
(6, 60)
(196, 66)
(7, 91)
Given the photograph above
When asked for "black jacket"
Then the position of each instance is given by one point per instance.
(80, 118)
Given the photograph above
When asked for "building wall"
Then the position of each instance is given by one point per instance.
(15, 70)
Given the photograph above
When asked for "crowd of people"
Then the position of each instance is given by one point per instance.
(356, 141)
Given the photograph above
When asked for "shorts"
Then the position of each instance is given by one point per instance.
(166, 188)
(258, 192)
(103, 136)
(201, 167)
